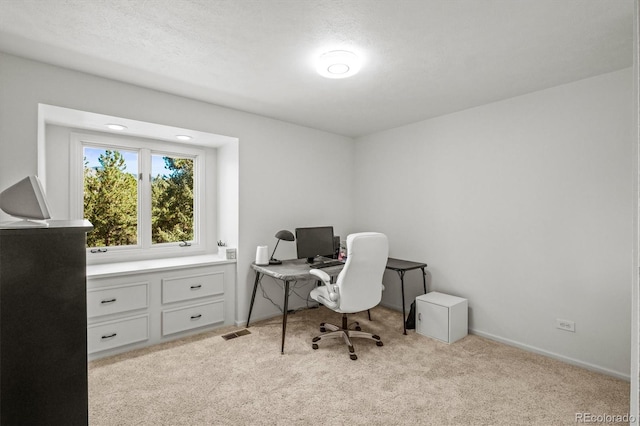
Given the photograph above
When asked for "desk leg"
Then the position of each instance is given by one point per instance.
(404, 315)
(284, 314)
(253, 296)
(424, 280)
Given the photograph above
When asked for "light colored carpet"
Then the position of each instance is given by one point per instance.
(206, 380)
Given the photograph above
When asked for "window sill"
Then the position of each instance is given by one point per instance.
(115, 255)
(143, 266)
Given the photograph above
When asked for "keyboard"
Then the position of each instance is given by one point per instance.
(326, 264)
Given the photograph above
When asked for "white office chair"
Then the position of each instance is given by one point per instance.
(357, 288)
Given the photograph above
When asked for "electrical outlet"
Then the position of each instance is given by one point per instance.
(566, 325)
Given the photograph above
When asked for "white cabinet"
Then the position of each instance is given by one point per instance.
(192, 316)
(117, 298)
(192, 286)
(112, 334)
(136, 304)
(442, 316)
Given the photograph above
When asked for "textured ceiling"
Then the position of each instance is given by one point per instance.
(422, 58)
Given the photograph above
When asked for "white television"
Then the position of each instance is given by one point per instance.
(26, 200)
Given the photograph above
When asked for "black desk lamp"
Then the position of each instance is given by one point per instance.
(281, 235)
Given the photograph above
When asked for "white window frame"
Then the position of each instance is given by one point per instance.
(144, 248)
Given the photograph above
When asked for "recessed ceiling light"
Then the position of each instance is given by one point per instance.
(116, 126)
(338, 64)
(183, 137)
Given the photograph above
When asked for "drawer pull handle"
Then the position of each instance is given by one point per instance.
(105, 301)
(196, 287)
(196, 317)
(109, 336)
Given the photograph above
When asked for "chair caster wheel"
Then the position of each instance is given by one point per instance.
(315, 339)
(358, 328)
(379, 343)
(322, 329)
(314, 346)
(353, 356)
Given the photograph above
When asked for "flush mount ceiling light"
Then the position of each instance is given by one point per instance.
(338, 64)
(183, 137)
(116, 126)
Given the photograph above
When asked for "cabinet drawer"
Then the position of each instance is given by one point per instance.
(116, 299)
(181, 319)
(192, 287)
(107, 335)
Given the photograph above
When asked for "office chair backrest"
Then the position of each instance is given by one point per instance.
(360, 282)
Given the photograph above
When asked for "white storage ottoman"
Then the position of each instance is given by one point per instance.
(442, 316)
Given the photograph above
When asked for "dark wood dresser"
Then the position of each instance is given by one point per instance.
(43, 325)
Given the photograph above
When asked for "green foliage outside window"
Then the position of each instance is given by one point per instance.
(172, 202)
(111, 202)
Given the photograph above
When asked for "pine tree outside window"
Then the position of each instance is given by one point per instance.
(172, 200)
(111, 196)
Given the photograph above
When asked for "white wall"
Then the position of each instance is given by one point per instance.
(634, 399)
(279, 163)
(525, 207)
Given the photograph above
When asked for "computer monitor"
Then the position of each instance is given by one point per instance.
(315, 241)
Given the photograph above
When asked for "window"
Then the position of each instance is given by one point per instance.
(139, 195)
(110, 199)
(171, 199)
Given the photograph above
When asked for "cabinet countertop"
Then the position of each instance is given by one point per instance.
(81, 225)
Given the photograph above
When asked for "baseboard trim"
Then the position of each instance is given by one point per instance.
(394, 307)
(256, 319)
(568, 360)
(529, 348)
(272, 315)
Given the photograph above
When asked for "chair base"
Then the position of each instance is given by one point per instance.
(345, 332)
